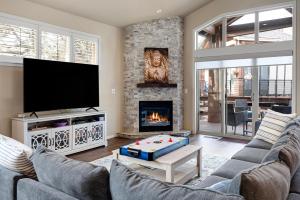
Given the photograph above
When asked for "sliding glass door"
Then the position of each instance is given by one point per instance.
(210, 102)
(232, 98)
(241, 106)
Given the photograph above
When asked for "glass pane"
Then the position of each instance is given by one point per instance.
(240, 30)
(85, 51)
(17, 41)
(238, 101)
(210, 101)
(276, 25)
(275, 90)
(210, 37)
(55, 46)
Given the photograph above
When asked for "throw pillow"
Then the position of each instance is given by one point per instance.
(79, 179)
(15, 156)
(286, 149)
(273, 125)
(126, 184)
(264, 182)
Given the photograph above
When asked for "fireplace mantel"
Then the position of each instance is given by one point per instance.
(157, 85)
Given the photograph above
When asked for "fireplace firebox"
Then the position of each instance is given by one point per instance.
(155, 116)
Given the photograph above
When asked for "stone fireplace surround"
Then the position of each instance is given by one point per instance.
(160, 33)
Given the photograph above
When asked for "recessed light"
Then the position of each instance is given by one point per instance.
(159, 11)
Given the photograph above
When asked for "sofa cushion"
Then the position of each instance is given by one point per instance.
(29, 189)
(78, 179)
(126, 184)
(259, 144)
(288, 150)
(210, 180)
(15, 156)
(293, 196)
(221, 186)
(295, 123)
(232, 167)
(272, 126)
(250, 154)
(264, 182)
(295, 183)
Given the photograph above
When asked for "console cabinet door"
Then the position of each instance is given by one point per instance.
(80, 135)
(41, 137)
(61, 139)
(96, 133)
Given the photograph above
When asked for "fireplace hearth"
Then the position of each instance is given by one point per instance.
(155, 116)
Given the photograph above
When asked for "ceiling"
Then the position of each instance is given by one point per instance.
(124, 12)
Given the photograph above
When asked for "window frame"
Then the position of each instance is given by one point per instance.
(223, 52)
(256, 11)
(41, 26)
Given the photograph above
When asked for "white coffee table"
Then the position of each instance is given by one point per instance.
(172, 167)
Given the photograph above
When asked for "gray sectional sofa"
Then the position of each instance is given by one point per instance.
(253, 154)
(125, 184)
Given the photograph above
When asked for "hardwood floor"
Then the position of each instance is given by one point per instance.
(214, 145)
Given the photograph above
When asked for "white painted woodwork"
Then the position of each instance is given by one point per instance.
(172, 167)
(68, 139)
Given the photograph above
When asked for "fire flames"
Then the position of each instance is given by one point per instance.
(156, 117)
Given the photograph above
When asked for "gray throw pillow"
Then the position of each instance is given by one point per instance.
(221, 186)
(78, 179)
(126, 184)
(287, 149)
(267, 181)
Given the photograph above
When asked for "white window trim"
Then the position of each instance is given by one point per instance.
(41, 26)
(223, 17)
(244, 51)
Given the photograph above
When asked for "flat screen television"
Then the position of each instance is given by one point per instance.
(53, 85)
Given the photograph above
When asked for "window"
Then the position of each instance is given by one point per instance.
(24, 38)
(55, 46)
(276, 80)
(276, 25)
(261, 26)
(17, 41)
(210, 36)
(85, 51)
(240, 30)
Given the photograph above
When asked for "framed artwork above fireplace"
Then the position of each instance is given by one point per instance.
(156, 65)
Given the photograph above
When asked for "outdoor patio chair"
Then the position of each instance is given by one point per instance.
(235, 118)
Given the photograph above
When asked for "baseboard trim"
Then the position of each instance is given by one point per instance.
(112, 136)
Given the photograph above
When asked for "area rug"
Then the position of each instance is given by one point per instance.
(209, 164)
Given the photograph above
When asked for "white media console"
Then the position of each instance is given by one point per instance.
(65, 133)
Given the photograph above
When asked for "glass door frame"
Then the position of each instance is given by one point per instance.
(256, 78)
(222, 90)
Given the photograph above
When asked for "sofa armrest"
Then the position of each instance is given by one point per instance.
(29, 189)
(8, 183)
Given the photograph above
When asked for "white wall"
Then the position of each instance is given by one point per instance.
(111, 69)
(202, 15)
